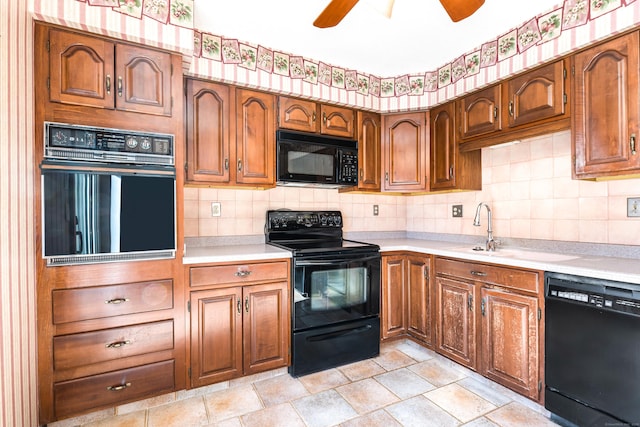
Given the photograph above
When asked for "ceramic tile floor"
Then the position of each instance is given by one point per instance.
(407, 385)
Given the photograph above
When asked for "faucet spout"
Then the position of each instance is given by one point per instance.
(491, 244)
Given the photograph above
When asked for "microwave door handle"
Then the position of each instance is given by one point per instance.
(79, 242)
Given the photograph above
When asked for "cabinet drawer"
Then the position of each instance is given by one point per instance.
(238, 273)
(72, 305)
(70, 351)
(110, 389)
(502, 276)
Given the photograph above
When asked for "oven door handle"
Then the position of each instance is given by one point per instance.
(332, 335)
(334, 261)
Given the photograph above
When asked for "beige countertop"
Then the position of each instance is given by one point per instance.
(620, 269)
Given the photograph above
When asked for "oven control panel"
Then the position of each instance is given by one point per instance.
(300, 220)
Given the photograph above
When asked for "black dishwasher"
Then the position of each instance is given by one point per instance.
(592, 351)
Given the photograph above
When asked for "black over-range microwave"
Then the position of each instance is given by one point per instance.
(305, 159)
(107, 195)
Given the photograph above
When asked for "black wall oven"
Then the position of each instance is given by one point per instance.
(336, 290)
(107, 195)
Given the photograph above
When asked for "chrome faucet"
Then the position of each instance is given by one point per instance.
(491, 244)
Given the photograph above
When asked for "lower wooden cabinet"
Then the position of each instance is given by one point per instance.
(488, 318)
(406, 296)
(240, 321)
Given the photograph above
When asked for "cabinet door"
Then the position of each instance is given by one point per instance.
(405, 152)
(479, 113)
(443, 147)
(208, 123)
(81, 69)
(510, 340)
(266, 327)
(393, 317)
(418, 298)
(369, 133)
(143, 82)
(605, 109)
(456, 322)
(297, 114)
(337, 121)
(255, 137)
(536, 95)
(216, 335)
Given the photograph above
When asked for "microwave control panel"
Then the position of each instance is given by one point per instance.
(72, 142)
(349, 167)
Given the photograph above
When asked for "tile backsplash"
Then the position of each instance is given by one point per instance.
(527, 184)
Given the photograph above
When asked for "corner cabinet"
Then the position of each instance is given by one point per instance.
(489, 319)
(406, 296)
(309, 116)
(229, 144)
(450, 169)
(240, 319)
(405, 152)
(95, 72)
(605, 109)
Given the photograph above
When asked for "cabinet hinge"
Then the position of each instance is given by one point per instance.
(573, 70)
(172, 102)
(539, 386)
(539, 314)
(48, 83)
(189, 372)
(172, 69)
(564, 98)
(564, 73)
(189, 306)
(48, 45)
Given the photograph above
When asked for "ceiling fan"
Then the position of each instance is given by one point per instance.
(338, 9)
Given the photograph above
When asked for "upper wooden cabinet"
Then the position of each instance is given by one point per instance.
(605, 109)
(369, 133)
(450, 169)
(529, 104)
(95, 72)
(225, 144)
(405, 152)
(309, 116)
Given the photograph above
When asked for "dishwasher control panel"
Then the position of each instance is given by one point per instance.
(606, 299)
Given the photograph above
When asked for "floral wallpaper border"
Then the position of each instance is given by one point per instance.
(173, 12)
(537, 31)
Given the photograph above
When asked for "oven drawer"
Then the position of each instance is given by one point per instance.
(70, 351)
(506, 277)
(113, 388)
(73, 305)
(238, 273)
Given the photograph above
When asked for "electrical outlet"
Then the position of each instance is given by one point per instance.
(376, 210)
(215, 209)
(456, 211)
(633, 207)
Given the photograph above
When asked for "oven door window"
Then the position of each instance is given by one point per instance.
(332, 290)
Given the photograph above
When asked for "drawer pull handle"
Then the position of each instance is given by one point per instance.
(243, 273)
(478, 273)
(118, 387)
(116, 301)
(118, 344)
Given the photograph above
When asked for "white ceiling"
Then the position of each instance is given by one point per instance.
(418, 38)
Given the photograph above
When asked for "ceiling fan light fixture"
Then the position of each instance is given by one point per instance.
(461, 9)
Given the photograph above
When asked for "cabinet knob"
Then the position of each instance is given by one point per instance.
(119, 85)
(324, 118)
(108, 83)
(239, 306)
(313, 117)
(226, 164)
(246, 304)
(239, 165)
(632, 143)
(511, 108)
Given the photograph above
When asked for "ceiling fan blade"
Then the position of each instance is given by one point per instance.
(460, 9)
(333, 13)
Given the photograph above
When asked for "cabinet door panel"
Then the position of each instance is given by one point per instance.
(266, 327)
(479, 113)
(405, 159)
(394, 321)
(369, 133)
(81, 69)
(605, 114)
(143, 80)
(337, 121)
(255, 137)
(536, 95)
(297, 114)
(443, 147)
(208, 122)
(510, 340)
(456, 321)
(216, 335)
(418, 298)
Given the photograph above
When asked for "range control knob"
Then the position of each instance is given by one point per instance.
(337, 220)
